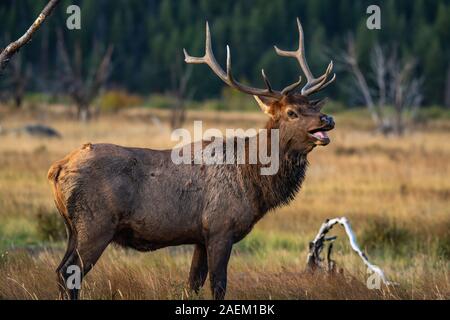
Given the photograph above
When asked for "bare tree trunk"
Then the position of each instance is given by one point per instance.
(399, 127)
(18, 102)
(447, 88)
(178, 114)
(350, 58)
(374, 113)
(19, 79)
(314, 260)
(180, 79)
(83, 112)
(83, 90)
(44, 60)
(395, 84)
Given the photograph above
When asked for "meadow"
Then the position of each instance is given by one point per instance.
(394, 190)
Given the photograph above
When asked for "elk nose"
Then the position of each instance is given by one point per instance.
(329, 121)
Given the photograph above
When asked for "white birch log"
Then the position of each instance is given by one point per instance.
(317, 245)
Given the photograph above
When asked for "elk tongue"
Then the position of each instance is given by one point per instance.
(321, 135)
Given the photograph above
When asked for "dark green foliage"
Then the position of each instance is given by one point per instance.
(386, 234)
(443, 246)
(148, 37)
(50, 225)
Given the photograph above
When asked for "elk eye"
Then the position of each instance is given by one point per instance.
(291, 114)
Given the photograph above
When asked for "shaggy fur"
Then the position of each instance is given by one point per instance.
(139, 198)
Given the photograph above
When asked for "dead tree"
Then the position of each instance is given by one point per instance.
(180, 78)
(14, 47)
(20, 75)
(447, 88)
(314, 260)
(16, 79)
(83, 89)
(392, 84)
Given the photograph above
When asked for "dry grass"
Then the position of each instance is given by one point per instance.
(394, 191)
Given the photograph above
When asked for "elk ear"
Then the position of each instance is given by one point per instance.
(318, 104)
(265, 104)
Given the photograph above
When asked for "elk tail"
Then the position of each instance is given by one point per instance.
(53, 175)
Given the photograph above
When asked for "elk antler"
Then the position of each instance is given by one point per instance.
(313, 84)
(227, 77)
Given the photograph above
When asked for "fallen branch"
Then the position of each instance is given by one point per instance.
(13, 47)
(316, 246)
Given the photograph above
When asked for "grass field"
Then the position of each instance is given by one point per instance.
(395, 192)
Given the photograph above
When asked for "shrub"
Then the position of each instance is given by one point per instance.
(114, 100)
(443, 247)
(160, 101)
(333, 107)
(386, 234)
(434, 112)
(235, 100)
(50, 225)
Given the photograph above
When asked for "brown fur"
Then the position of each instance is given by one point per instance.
(140, 199)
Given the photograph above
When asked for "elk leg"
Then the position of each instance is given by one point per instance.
(66, 261)
(199, 268)
(87, 251)
(218, 251)
(63, 277)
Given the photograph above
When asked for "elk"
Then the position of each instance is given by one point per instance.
(139, 198)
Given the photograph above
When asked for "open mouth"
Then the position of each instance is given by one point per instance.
(320, 135)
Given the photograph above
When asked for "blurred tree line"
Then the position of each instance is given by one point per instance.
(148, 37)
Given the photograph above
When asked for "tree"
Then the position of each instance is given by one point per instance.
(447, 88)
(82, 89)
(20, 75)
(180, 79)
(14, 47)
(394, 84)
(159, 29)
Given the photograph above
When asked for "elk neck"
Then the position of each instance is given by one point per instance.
(271, 191)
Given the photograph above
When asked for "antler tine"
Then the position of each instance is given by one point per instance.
(313, 84)
(268, 92)
(227, 77)
(208, 58)
(299, 54)
(323, 83)
(290, 88)
(266, 80)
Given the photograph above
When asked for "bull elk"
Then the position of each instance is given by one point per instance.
(139, 198)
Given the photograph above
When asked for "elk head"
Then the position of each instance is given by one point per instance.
(299, 119)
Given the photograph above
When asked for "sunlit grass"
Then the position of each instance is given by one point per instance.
(395, 192)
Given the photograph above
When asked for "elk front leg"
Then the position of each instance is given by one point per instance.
(218, 251)
(199, 268)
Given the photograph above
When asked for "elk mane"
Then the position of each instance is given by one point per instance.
(273, 191)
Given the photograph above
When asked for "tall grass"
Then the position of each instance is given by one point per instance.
(394, 191)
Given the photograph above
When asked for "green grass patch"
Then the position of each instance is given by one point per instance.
(260, 243)
(17, 232)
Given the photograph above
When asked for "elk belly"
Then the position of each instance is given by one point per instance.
(186, 310)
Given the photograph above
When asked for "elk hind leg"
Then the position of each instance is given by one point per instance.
(88, 249)
(199, 268)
